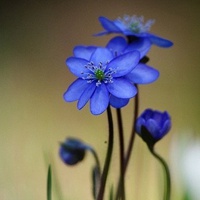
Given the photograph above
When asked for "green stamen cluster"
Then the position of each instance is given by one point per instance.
(134, 27)
(99, 74)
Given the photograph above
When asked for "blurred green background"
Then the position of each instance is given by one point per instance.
(36, 37)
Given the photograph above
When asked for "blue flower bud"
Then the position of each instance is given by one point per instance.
(72, 151)
(153, 125)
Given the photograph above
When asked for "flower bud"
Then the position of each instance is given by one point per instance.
(72, 151)
(153, 125)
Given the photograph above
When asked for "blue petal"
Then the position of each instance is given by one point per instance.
(75, 90)
(161, 42)
(100, 100)
(122, 88)
(77, 66)
(143, 74)
(153, 128)
(120, 25)
(84, 98)
(166, 127)
(102, 33)
(118, 102)
(101, 55)
(143, 45)
(84, 52)
(139, 123)
(117, 45)
(124, 63)
(108, 25)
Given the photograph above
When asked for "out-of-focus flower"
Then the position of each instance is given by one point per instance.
(153, 125)
(101, 77)
(72, 151)
(133, 27)
(185, 157)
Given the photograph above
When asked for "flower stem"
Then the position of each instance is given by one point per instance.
(167, 190)
(108, 156)
(130, 147)
(96, 158)
(121, 188)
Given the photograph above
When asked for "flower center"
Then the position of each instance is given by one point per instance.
(98, 73)
(136, 24)
(134, 27)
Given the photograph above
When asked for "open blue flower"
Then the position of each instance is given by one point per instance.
(134, 28)
(153, 125)
(100, 75)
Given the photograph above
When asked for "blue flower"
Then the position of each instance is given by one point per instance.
(72, 151)
(141, 74)
(134, 28)
(153, 125)
(101, 75)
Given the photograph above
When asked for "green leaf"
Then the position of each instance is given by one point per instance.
(49, 184)
(111, 194)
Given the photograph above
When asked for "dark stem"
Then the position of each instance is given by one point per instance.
(167, 189)
(108, 155)
(96, 158)
(130, 147)
(131, 141)
(121, 148)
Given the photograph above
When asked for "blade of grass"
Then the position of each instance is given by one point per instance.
(49, 183)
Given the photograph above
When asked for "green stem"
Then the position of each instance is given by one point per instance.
(131, 141)
(167, 190)
(121, 189)
(108, 156)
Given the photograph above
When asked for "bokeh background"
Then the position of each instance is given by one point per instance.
(36, 37)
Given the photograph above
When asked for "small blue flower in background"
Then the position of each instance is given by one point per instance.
(153, 125)
(133, 27)
(72, 151)
(101, 78)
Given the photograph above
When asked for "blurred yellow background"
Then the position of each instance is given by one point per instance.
(36, 37)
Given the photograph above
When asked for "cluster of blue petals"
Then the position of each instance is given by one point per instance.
(157, 123)
(116, 26)
(107, 75)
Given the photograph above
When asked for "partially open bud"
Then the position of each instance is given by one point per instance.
(152, 126)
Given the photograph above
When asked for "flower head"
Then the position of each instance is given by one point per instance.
(135, 24)
(72, 151)
(153, 125)
(100, 76)
(134, 28)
